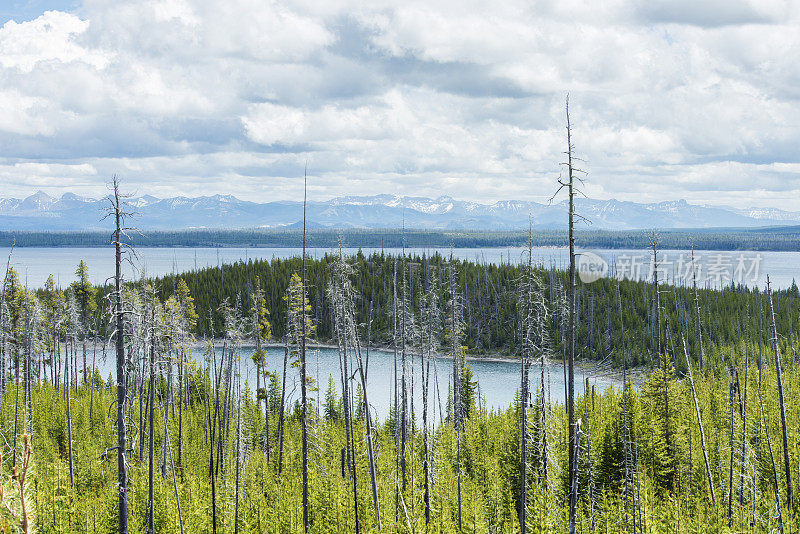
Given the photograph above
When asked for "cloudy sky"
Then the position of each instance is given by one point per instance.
(669, 99)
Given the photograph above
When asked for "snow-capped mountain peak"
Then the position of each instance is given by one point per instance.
(72, 212)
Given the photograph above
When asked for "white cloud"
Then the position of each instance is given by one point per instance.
(49, 38)
(669, 100)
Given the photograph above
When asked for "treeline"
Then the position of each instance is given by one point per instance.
(491, 300)
(777, 238)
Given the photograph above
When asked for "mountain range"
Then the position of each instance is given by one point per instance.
(70, 212)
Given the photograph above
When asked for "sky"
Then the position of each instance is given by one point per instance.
(669, 99)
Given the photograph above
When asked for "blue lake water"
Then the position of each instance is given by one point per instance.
(498, 381)
(716, 268)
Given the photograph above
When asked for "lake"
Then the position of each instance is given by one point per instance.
(498, 381)
(714, 268)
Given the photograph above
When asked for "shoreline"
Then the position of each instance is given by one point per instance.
(636, 375)
(595, 369)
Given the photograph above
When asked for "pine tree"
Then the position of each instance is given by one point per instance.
(85, 295)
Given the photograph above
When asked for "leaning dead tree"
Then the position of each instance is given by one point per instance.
(700, 424)
(781, 399)
(697, 312)
(775, 485)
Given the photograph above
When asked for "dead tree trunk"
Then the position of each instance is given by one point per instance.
(573, 499)
(281, 415)
(700, 424)
(368, 421)
(304, 400)
(772, 459)
(730, 444)
(657, 341)
(744, 408)
(403, 392)
(697, 313)
(779, 372)
(151, 526)
(69, 423)
(122, 393)
(455, 347)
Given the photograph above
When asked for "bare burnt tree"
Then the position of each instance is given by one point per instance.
(456, 327)
(404, 311)
(781, 399)
(775, 485)
(118, 211)
(341, 295)
(151, 303)
(700, 424)
(573, 175)
(534, 342)
(697, 312)
(430, 345)
(743, 452)
(654, 242)
(304, 400)
(4, 319)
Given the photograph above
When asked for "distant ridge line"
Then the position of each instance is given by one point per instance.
(784, 238)
(71, 212)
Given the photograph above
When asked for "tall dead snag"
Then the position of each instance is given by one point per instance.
(430, 347)
(4, 317)
(151, 526)
(456, 330)
(771, 456)
(395, 418)
(71, 316)
(700, 424)
(119, 214)
(573, 445)
(732, 391)
(571, 189)
(779, 372)
(697, 312)
(590, 488)
(629, 490)
(362, 373)
(340, 295)
(525, 362)
(211, 423)
(403, 366)
(654, 241)
(282, 408)
(303, 387)
(743, 452)
(534, 319)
